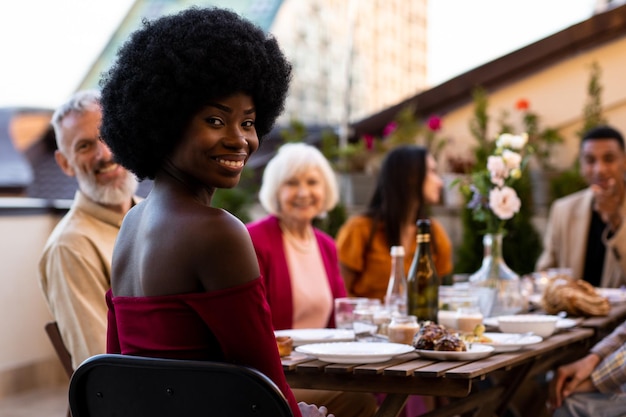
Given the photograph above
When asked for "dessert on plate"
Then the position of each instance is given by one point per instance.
(433, 336)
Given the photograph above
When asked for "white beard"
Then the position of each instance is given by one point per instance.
(109, 195)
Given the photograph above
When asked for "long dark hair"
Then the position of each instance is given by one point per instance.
(399, 185)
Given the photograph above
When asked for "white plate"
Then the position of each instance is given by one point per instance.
(307, 336)
(354, 352)
(509, 342)
(614, 295)
(476, 351)
(560, 324)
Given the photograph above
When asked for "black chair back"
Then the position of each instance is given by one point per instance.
(130, 386)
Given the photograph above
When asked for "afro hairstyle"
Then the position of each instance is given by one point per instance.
(175, 65)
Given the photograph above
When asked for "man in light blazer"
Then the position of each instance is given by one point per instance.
(585, 230)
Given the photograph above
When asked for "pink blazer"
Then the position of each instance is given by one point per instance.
(268, 244)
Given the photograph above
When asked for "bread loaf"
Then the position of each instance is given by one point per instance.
(574, 296)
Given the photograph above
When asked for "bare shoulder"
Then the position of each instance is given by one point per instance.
(224, 254)
(217, 229)
(188, 249)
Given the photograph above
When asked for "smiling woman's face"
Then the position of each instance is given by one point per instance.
(218, 142)
(301, 197)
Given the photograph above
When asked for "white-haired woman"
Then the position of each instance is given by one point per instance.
(299, 262)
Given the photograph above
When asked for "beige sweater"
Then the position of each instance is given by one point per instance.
(75, 273)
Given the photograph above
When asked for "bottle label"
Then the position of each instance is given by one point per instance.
(423, 238)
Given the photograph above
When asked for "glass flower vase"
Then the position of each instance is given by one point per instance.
(496, 285)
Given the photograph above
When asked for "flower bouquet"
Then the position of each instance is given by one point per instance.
(492, 198)
(493, 201)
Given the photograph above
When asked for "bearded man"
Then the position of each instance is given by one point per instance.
(75, 267)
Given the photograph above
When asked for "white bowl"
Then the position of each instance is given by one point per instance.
(538, 324)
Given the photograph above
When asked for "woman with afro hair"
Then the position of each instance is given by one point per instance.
(186, 103)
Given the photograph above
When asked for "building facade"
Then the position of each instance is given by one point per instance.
(351, 58)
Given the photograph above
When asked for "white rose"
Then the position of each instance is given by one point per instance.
(519, 141)
(508, 140)
(504, 140)
(504, 202)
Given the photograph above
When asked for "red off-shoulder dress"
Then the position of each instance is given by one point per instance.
(231, 325)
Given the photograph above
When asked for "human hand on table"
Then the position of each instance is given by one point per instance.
(571, 378)
(311, 410)
(607, 202)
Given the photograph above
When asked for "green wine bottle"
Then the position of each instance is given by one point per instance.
(423, 282)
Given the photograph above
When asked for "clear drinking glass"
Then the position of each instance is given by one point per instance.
(344, 311)
(364, 322)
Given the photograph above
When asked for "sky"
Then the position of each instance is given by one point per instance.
(47, 46)
(464, 34)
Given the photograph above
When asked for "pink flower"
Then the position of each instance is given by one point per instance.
(434, 123)
(504, 202)
(369, 142)
(513, 160)
(498, 171)
(390, 128)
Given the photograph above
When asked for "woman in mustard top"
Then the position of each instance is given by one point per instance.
(407, 183)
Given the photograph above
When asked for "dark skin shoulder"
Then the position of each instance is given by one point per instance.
(173, 244)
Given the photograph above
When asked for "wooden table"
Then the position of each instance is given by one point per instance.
(459, 381)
